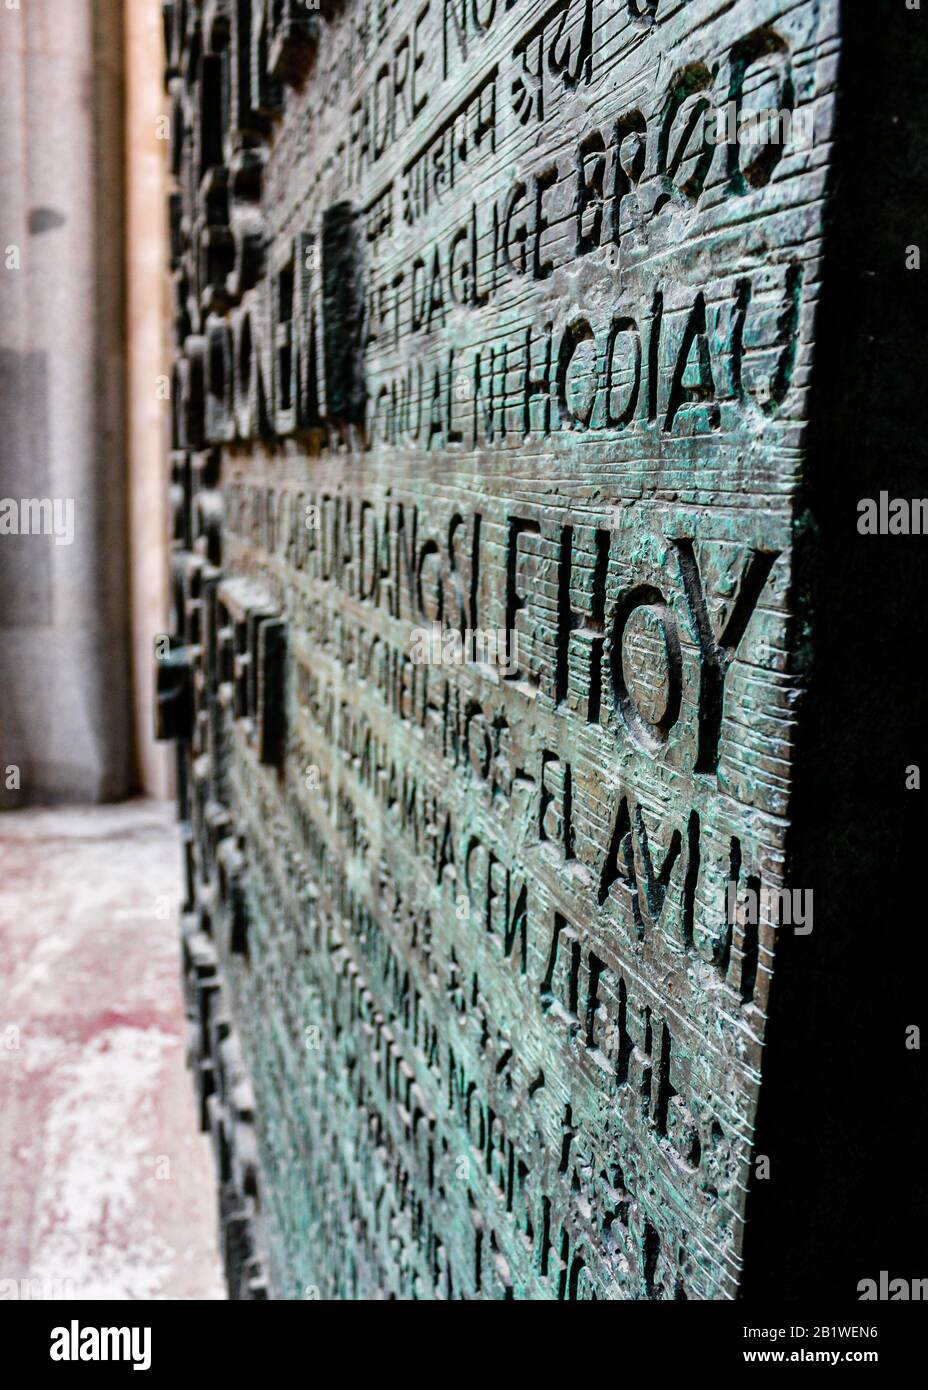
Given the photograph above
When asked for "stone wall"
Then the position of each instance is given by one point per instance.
(64, 630)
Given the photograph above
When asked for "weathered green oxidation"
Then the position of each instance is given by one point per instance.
(477, 327)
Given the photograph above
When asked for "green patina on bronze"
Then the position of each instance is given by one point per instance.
(479, 325)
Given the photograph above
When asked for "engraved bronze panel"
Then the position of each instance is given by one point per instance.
(495, 333)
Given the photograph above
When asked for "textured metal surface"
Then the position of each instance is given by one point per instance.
(476, 327)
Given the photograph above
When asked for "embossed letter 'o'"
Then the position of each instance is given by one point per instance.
(646, 667)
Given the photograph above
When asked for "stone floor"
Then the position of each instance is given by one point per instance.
(106, 1187)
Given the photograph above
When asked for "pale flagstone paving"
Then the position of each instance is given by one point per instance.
(107, 1189)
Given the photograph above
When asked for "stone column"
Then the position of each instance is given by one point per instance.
(147, 361)
(64, 607)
